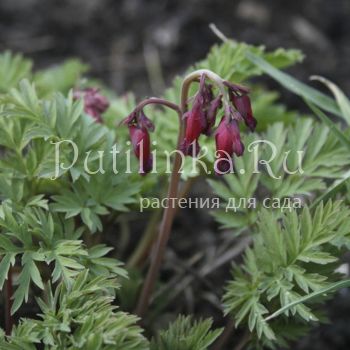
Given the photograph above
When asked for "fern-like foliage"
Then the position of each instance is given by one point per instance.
(60, 78)
(230, 62)
(79, 316)
(30, 123)
(45, 216)
(322, 157)
(34, 236)
(290, 258)
(268, 109)
(91, 198)
(13, 68)
(186, 334)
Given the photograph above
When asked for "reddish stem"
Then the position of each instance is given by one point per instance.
(168, 215)
(225, 336)
(159, 101)
(169, 212)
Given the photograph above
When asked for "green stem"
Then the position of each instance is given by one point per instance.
(216, 79)
(146, 240)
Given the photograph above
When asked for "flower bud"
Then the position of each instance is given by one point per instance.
(145, 122)
(228, 141)
(243, 106)
(195, 124)
(140, 141)
(94, 103)
(211, 113)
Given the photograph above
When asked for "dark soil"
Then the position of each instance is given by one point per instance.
(114, 37)
(119, 38)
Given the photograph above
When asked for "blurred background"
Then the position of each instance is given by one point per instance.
(140, 45)
(128, 41)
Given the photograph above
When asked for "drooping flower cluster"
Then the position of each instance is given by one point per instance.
(139, 127)
(94, 103)
(201, 118)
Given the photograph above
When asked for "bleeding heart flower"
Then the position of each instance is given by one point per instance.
(139, 126)
(94, 103)
(211, 113)
(201, 118)
(243, 106)
(145, 122)
(228, 141)
(140, 141)
(195, 124)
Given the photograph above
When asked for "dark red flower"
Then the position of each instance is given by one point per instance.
(228, 141)
(145, 122)
(243, 106)
(195, 124)
(130, 119)
(241, 101)
(201, 118)
(94, 103)
(139, 126)
(236, 88)
(141, 144)
(211, 113)
(205, 92)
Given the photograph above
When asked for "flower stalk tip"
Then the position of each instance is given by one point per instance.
(200, 119)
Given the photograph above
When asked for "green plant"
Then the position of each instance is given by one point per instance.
(58, 223)
(186, 334)
(79, 316)
(281, 267)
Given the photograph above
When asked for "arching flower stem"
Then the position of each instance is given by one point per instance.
(168, 215)
(169, 212)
